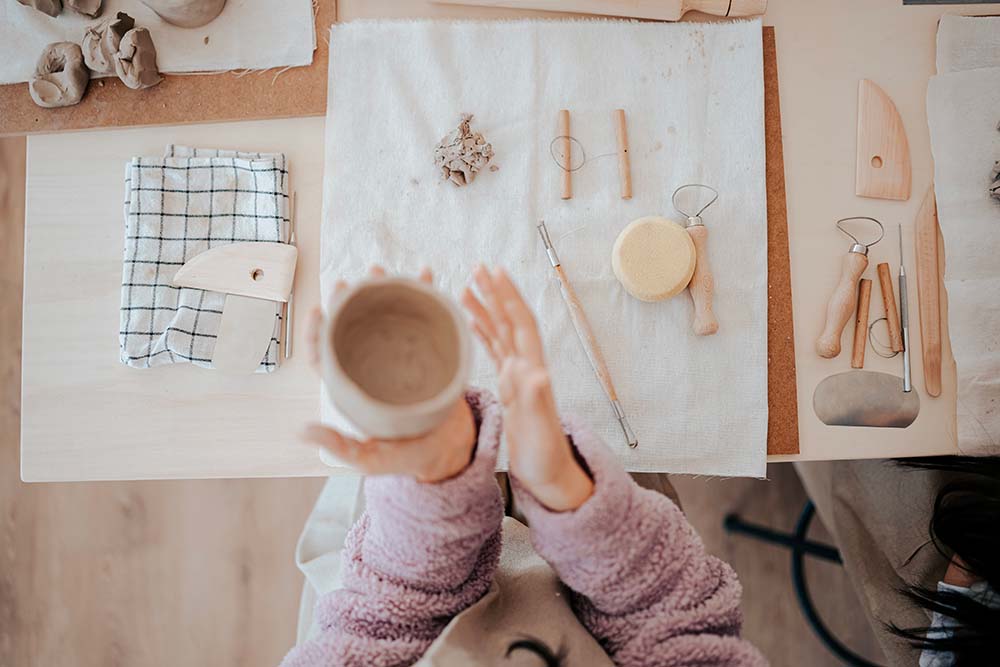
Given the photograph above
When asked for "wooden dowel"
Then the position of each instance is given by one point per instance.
(861, 324)
(567, 151)
(891, 313)
(624, 165)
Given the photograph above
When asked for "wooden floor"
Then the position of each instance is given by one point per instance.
(202, 572)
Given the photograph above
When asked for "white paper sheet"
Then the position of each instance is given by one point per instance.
(248, 34)
(693, 94)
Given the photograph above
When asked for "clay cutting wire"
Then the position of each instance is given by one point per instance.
(696, 218)
(559, 160)
(857, 242)
(876, 343)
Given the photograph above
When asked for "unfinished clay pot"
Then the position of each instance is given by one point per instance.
(101, 41)
(186, 13)
(395, 357)
(135, 62)
(60, 78)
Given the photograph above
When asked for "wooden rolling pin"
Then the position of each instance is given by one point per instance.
(660, 10)
(889, 302)
(861, 324)
(928, 291)
(842, 302)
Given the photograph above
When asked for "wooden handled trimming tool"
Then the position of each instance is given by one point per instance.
(567, 150)
(702, 285)
(889, 302)
(925, 240)
(587, 337)
(659, 10)
(843, 300)
(624, 164)
(861, 323)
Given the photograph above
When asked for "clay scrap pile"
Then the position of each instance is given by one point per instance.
(462, 154)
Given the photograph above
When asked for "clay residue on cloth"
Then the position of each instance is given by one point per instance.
(398, 346)
(462, 154)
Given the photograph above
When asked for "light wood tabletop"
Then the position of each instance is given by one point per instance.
(87, 417)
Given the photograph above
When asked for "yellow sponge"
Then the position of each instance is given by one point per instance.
(653, 258)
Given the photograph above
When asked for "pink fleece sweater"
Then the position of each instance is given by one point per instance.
(642, 583)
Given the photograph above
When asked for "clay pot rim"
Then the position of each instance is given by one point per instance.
(333, 372)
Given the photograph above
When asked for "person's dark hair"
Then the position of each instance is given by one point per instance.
(532, 645)
(966, 522)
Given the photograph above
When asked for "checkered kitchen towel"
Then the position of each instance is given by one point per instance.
(176, 207)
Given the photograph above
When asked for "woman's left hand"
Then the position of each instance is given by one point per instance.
(441, 454)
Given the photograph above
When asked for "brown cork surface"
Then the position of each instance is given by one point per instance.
(782, 403)
(299, 91)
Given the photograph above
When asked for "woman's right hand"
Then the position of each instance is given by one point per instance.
(541, 457)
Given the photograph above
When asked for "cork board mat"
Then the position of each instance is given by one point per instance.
(179, 99)
(782, 403)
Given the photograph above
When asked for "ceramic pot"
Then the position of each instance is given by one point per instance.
(395, 356)
(186, 13)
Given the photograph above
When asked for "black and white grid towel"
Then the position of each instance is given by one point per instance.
(176, 207)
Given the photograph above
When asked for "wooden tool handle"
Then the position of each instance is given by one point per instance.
(861, 323)
(624, 164)
(586, 334)
(702, 285)
(928, 291)
(889, 302)
(841, 305)
(567, 151)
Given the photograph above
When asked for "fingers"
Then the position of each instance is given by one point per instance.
(370, 457)
(488, 344)
(502, 324)
(525, 331)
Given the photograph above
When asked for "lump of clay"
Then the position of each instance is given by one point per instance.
(186, 13)
(461, 154)
(135, 63)
(50, 7)
(101, 41)
(91, 8)
(60, 78)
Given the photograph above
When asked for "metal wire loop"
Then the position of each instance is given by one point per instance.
(673, 199)
(854, 238)
(876, 344)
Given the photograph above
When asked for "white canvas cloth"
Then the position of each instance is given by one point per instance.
(963, 109)
(693, 94)
(241, 37)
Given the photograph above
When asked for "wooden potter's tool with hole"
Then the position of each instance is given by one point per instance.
(660, 10)
(702, 285)
(587, 337)
(255, 277)
(925, 243)
(883, 158)
(844, 298)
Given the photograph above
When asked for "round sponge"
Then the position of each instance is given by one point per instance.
(653, 258)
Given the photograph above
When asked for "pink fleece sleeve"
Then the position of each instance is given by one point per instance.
(642, 582)
(419, 555)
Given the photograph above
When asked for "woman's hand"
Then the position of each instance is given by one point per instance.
(540, 454)
(441, 454)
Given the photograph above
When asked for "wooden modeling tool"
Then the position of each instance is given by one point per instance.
(904, 316)
(624, 164)
(587, 337)
(702, 285)
(889, 302)
(925, 241)
(567, 150)
(659, 10)
(288, 314)
(883, 160)
(254, 277)
(861, 323)
(844, 297)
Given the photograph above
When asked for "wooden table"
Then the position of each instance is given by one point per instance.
(86, 417)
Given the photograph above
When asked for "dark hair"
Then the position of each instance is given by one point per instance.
(539, 648)
(965, 522)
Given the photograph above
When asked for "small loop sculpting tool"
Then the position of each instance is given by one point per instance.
(586, 335)
(844, 299)
(702, 285)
